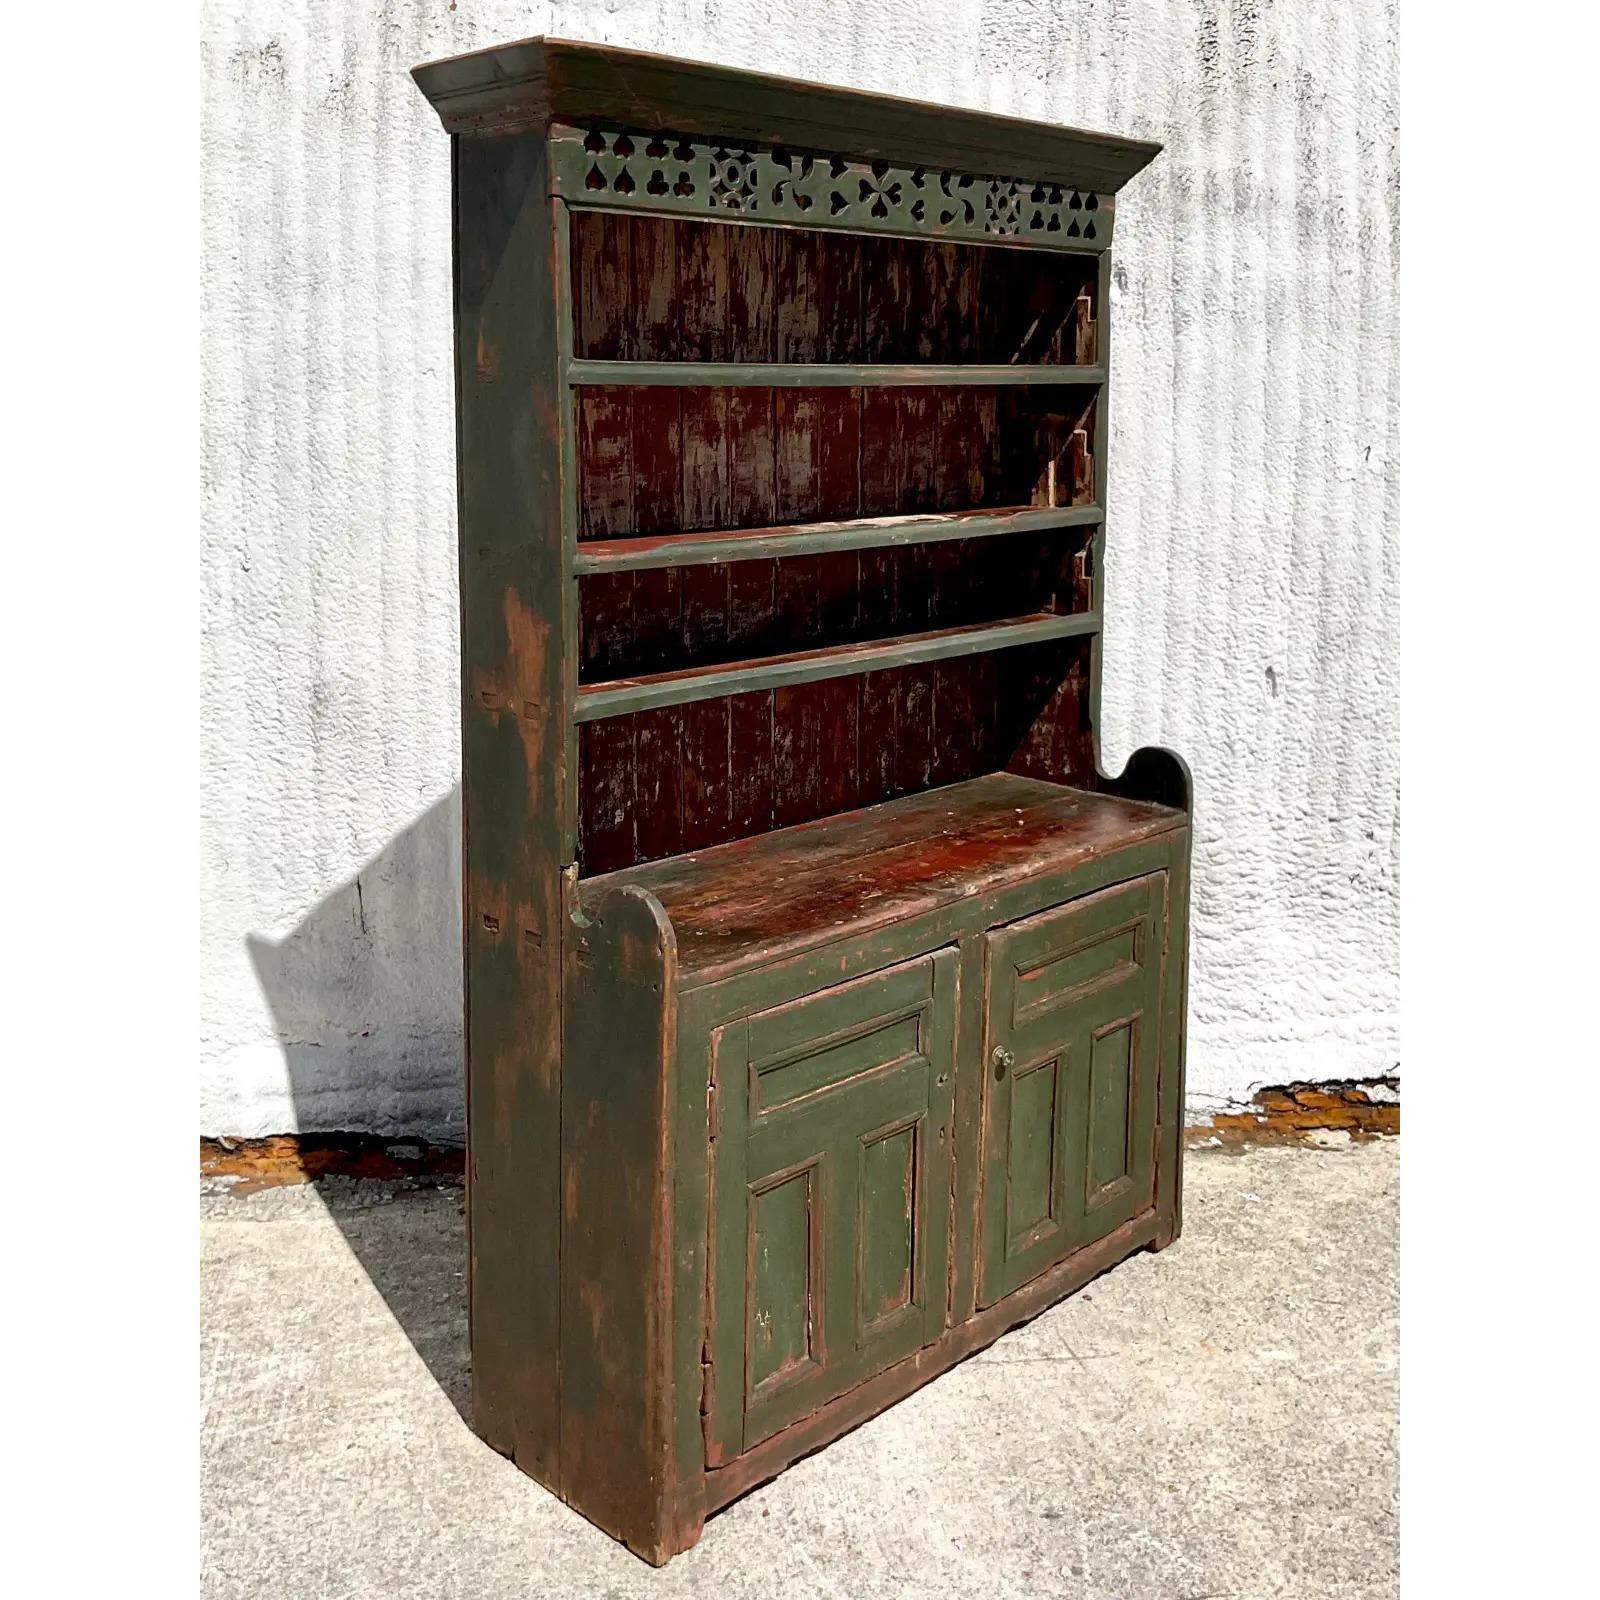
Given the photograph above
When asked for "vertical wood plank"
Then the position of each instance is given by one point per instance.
(658, 508)
(702, 308)
(876, 715)
(797, 601)
(837, 448)
(960, 579)
(880, 481)
(914, 463)
(705, 799)
(752, 307)
(837, 452)
(750, 770)
(838, 706)
(602, 254)
(879, 733)
(916, 423)
(951, 738)
(836, 715)
(704, 724)
(651, 308)
(706, 478)
(961, 274)
(704, 313)
(753, 498)
(658, 783)
(984, 710)
(879, 693)
(878, 698)
(751, 502)
(974, 450)
(605, 463)
(914, 731)
(889, 320)
(797, 312)
(840, 285)
(606, 630)
(606, 797)
(515, 620)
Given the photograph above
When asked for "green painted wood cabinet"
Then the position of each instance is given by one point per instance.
(824, 997)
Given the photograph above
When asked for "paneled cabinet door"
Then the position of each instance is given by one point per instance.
(1071, 1058)
(831, 1195)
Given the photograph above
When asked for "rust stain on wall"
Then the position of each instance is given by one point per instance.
(287, 1158)
(1298, 1113)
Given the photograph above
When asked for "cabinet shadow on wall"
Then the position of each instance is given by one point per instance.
(365, 995)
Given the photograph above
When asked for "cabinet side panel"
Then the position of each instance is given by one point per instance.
(1172, 1094)
(621, 1394)
(514, 787)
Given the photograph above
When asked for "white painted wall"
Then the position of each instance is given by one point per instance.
(1253, 614)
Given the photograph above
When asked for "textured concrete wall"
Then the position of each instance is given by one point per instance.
(1253, 571)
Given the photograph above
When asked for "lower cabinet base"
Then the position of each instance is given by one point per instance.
(795, 1191)
(849, 1410)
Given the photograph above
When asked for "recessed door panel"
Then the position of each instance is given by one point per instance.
(1112, 1110)
(886, 1226)
(785, 1294)
(830, 1195)
(1033, 1183)
(1071, 1057)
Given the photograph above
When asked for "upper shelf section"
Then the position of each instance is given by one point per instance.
(535, 83)
(770, 307)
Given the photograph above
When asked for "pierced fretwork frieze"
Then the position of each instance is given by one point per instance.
(669, 172)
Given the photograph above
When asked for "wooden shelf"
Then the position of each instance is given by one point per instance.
(823, 538)
(782, 892)
(620, 696)
(820, 375)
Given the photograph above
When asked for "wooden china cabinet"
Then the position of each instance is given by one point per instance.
(825, 999)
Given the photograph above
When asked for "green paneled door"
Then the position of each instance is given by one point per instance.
(1070, 1063)
(832, 1194)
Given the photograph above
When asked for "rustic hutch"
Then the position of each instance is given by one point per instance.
(825, 999)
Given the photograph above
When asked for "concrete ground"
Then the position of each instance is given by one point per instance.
(1218, 1420)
